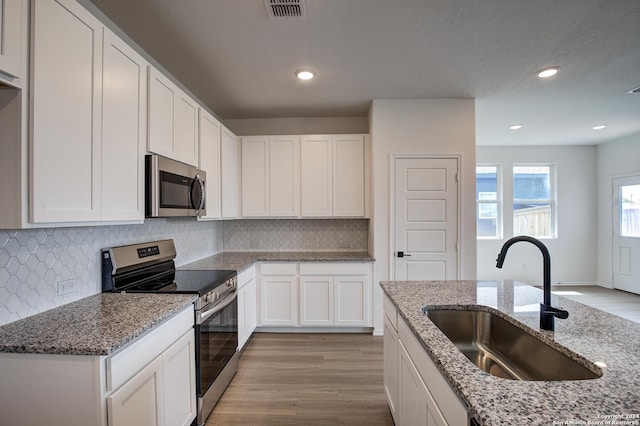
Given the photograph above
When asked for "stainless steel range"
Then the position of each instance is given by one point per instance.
(150, 268)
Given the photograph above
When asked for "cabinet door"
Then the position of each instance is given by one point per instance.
(316, 300)
(348, 176)
(124, 130)
(179, 375)
(284, 176)
(316, 176)
(352, 300)
(140, 400)
(162, 102)
(210, 162)
(390, 348)
(229, 169)
(413, 409)
(66, 110)
(186, 123)
(255, 176)
(242, 317)
(278, 305)
(12, 20)
(251, 310)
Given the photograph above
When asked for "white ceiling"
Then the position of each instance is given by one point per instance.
(241, 63)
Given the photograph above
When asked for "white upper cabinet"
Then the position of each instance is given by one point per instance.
(65, 120)
(316, 176)
(334, 173)
(187, 129)
(13, 21)
(255, 176)
(124, 130)
(210, 131)
(173, 120)
(229, 168)
(284, 176)
(348, 176)
(162, 103)
(270, 176)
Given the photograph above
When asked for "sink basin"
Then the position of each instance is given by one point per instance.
(504, 350)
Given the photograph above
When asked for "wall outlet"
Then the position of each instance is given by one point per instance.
(69, 286)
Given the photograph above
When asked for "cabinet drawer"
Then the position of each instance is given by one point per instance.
(278, 269)
(125, 363)
(246, 276)
(390, 312)
(342, 268)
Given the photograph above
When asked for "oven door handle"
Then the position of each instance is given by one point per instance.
(203, 316)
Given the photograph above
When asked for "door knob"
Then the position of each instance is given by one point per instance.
(402, 254)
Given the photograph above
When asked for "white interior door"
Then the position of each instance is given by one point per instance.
(426, 219)
(626, 233)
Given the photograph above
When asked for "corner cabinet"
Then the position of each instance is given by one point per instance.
(270, 176)
(416, 391)
(173, 120)
(150, 381)
(86, 157)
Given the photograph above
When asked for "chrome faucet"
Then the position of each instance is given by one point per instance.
(547, 312)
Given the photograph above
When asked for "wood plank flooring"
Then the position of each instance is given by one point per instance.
(307, 379)
(617, 302)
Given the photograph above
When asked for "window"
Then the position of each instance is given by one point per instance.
(488, 199)
(533, 205)
(630, 211)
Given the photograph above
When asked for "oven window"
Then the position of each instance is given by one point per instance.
(218, 340)
(174, 191)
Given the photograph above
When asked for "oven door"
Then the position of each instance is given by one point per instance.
(216, 340)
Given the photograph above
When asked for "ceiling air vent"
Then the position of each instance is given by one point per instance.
(636, 90)
(285, 8)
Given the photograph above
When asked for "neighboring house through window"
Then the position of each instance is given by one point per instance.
(488, 200)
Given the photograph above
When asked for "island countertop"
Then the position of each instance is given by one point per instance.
(97, 325)
(242, 260)
(592, 334)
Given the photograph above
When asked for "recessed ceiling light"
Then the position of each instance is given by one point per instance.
(599, 127)
(548, 72)
(305, 74)
(515, 127)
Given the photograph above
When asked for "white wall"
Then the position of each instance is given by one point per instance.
(573, 252)
(615, 159)
(420, 126)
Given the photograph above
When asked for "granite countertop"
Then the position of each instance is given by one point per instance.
(242, 260)
(96, 325)
(592, 334)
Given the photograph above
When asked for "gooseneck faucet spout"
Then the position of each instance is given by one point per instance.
(547, 312)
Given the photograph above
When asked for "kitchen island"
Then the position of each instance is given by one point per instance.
(588, 335)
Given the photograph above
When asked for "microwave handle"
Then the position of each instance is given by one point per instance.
(202, 199)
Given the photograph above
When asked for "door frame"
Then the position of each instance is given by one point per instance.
(614, 216)
(392, 204)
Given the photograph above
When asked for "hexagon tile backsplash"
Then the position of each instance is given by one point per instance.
(44, 268)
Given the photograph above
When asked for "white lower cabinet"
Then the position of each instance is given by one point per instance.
(315, 294)
(151, 381)
(247, 307)
(416, 391)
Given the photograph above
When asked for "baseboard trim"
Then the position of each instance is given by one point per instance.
(271, 329)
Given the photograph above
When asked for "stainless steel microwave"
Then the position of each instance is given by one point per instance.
(173, 188)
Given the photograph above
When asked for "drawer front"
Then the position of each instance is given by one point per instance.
(278, 269)
(342, 268)
(125, 363)
(390, 312)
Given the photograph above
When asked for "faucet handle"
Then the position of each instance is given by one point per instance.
(550, 310)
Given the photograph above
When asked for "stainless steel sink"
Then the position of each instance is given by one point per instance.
(504, 350)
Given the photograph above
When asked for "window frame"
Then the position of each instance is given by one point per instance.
(498, 201)
(552, 201)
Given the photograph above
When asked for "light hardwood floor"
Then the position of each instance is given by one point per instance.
(307, 379)
(617, 302)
